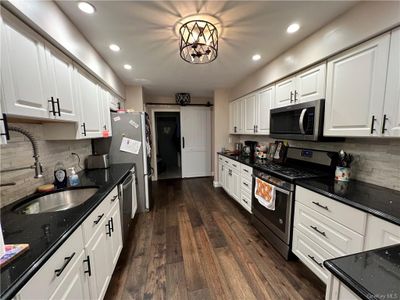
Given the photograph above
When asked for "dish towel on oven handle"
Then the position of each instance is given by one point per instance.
(265, 194)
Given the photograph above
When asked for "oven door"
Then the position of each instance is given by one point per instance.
(300, 121)
(278, 220)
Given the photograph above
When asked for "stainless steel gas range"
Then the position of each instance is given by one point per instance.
(276, 225)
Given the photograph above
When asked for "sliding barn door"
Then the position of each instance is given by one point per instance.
(196, 141)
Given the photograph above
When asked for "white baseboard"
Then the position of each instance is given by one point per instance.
(216, 184)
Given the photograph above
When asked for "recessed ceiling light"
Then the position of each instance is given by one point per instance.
(256, 57)
(86, 7)
(114, 47)
(127, 67)
(293, 28)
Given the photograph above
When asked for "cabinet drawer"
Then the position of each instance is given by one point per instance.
(246, 171)
(46, 280)
(245, 200)
(310, 254)
(341, 213)
(332, 236)
(93, 221)
(245, 185)
(234, 165)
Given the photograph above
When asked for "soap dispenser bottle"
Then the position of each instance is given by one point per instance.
(73, 178)
(60, 175)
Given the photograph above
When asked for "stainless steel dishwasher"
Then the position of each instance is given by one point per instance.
(127, 201)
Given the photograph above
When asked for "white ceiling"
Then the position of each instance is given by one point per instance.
(145, 32)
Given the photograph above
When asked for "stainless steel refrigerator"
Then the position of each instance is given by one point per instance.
(135, 126)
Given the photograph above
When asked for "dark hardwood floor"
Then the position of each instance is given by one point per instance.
(198, 244)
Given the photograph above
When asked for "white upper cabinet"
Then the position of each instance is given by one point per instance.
(105, 121)
(61, 72)
(356, 89)
(250, 114)
(265, 101)
(391, 110)
(285, 92)
(23, 72)
(231, 117)
(310, 84)
(90, 112)
(236, 116)
(305, 86)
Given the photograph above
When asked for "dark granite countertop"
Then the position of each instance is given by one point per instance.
(376, 200)
(242, 159)
(46, 232)
(373, 274)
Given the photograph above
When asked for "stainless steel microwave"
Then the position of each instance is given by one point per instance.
(303, 121)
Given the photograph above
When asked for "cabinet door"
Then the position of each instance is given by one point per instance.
(99, 255)
(3, 138)
(284, 92)
(90, 112)
(265, 100)
(250, 114)
(115, 238)
(231, 117)
(23, 71)
(238, 112)
(221, 174)
(310, 84)
(356, 89)
(228, 179)
(75, 284)
(391, 111)
(380, 233)
(61, 72)
(235, 185)
(105, 97)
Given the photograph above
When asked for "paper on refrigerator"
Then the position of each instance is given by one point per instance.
(130, 145)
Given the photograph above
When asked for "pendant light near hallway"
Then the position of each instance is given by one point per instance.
(198, 42)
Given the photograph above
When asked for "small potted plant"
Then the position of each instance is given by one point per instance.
(342, 172)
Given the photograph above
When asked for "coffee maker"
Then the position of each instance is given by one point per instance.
(250, 148)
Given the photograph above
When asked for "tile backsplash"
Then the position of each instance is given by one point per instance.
(376, 161)
(18, 153)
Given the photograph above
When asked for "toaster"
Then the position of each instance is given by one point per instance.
(98, 161)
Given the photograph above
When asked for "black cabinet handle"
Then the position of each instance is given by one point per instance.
(114, 198)
(245, 201)
(89, 269)
(105, 127)
(58, 107)
(295, 95)
(52, 106)
(246, 170)
(322, 206)
(5, 123)
(372, 124)
(235, 129)
(314, 260)
(84, 128)
(112, 224)
(183, 142)
(98, 219)
(317, 230)
(66, 262)
(108, 226)
(245, 184)
(291, 96)
(385, 118)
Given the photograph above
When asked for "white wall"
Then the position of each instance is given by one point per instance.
(362, 22)
(48, 19)
(134, 98)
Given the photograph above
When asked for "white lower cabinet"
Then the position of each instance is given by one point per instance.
(75, 284)
(82, 267)
(336, 290)
(236, 180)
(381, 233)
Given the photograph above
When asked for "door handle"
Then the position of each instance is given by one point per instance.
(372, 124)
(89, 270)
(84, 128)
(108, 226)
(52, 106)
(322, 206)
(295, 95)
(98, 219)
(58, 107)
(314, 260)
(319, 231)
(112, 224)
(291, 96)
(183, 142)
(5, 123)
(301, 121)
(66, 262)
(385, 118)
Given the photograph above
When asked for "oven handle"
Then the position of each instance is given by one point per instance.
(301, 121)
(276, 188)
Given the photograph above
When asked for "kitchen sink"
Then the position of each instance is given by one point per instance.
(56, 201)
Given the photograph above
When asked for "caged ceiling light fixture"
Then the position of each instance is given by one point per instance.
(198, 42)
